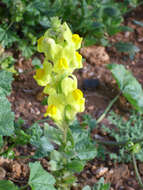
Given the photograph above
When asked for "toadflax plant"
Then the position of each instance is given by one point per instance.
(60, 47)
(74, 146)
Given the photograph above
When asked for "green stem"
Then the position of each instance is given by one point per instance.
(65, 135)
(113, 143)
(107, 109)
(23, 187)
(9, 25)
(23, 157)
(42, 120)
(136, 171)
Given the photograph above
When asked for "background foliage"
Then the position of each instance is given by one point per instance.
(23, 22)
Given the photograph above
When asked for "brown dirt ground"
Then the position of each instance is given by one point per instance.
(26, 103)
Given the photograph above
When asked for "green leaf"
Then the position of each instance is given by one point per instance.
(138, 23)
(7, 37)
(126, 28)
(1, 141)
(128, 84)
(98, 25)
(5, 81)
(56, 160)
(111, 11)
(39, 178)
(127, 47)
(100, 185)
(75, 166)
(90, 121)
(41, 142)
(85, 150)
(69, 179)
(6, 116)
(79, 134)
(36, 63)
(56, 156)
(53, 134)
(7, 185)
(44, 21)
(27, 49)
(84, 146)
(87, 187)
(10, 154)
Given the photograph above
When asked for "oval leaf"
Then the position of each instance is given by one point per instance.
(7, 185)
(128, 84)
(39, 178)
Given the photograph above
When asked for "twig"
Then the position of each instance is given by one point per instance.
(136, 171)
(107, 109)
(113, 143)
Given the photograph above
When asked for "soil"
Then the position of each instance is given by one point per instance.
(26, 100)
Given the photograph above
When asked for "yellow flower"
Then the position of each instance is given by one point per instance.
(77, 94)
(68, 84)
(39, 73)
(51, 111)
(43, 75)
(39, 77)
(77, 40)
(62, 64)
(78, 60)
(76, 101)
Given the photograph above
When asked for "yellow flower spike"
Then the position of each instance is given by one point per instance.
(51, 111)
(77, 94)
(61, 58)
(77, 40)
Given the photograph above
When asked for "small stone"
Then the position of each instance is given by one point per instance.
(140, 39)
(132, 173)
(29, 104)
(95, 55)
(121, 188)
(127, 34)
(101, 171)
(37, 111)
(20, 70)
(16, 170)
(111, 171)
(91, 108)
